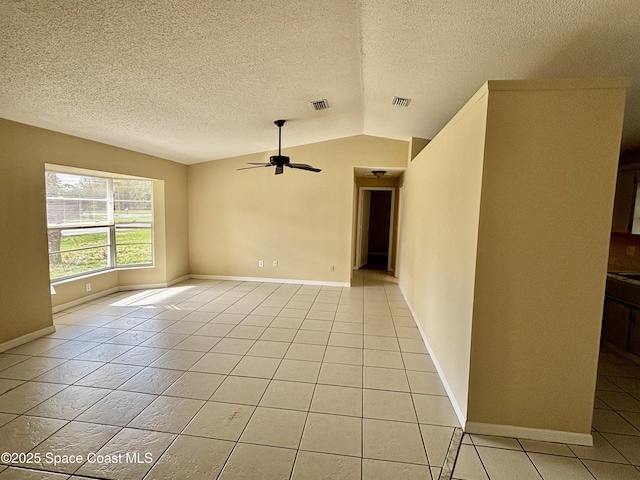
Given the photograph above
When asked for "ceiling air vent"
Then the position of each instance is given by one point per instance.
(401, 102)
(320, 104)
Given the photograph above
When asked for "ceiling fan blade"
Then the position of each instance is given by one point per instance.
(279, 169)
(262, 164)
(256, 166)
(303, 166)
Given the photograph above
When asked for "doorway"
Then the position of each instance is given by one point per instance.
(375, 228)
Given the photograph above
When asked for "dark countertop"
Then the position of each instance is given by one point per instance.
(621, 278)
(624, 289)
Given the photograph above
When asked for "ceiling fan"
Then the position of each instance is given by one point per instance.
(280, 161)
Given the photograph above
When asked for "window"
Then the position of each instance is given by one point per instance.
(97, 223)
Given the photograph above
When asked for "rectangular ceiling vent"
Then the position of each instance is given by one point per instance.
(401, 102)
(320, 104)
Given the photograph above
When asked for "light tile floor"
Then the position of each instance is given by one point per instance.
(229, 380)
(616, 434)
(242, 380)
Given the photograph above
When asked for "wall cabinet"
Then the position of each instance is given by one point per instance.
(616, 322)
(621, 316)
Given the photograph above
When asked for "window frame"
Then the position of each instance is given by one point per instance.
(110, 226)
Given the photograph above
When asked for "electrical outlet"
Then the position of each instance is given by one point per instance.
(331, 268)
(631, 250)
(88, 287)
(275, 263)
(260, 263)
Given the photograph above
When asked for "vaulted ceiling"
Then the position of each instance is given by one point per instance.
(197, 80)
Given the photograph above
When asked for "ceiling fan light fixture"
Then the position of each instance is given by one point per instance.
(378, 173)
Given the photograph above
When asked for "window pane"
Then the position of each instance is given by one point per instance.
(132, 235)
(133, 254)
(77, 262)
(76, 199)
(132, 218)
(133, 215)
(73, 239)
(132, 201)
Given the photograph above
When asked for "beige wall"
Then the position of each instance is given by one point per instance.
(301, 219)
(74, 291)
(504, 241)
(438, 240)
(25, 303)
(417, 144)
(24, 150)
(547, 201)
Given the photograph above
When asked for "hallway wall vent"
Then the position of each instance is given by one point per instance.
(320, 104)
(401, 102)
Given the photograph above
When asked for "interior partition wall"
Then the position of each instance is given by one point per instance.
(504, 248)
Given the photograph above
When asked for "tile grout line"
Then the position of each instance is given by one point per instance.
(415, 410)
(375, 284)
(249, 421)
(452, 454)
(362, 394)
(308, 411)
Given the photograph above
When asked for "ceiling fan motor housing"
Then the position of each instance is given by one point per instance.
(279, 160)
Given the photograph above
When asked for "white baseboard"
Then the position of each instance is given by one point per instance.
(462, 418)
(178, 280)
(539, 434)
(479, 428)
(142, 286)
(16, 342)
(271, 280)
(149, 286)
(120, 288)
(88, 298)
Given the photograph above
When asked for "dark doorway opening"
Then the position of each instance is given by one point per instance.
(379, 223)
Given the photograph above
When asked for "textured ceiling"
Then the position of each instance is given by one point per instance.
(194, 80)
